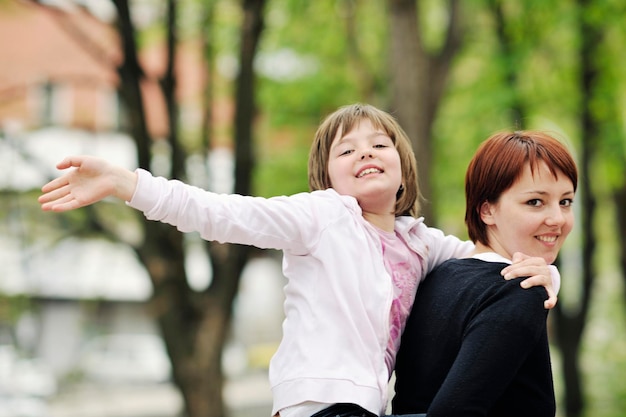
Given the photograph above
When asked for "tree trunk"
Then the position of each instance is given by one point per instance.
(194, 325)
(418, 80)
(511, 64)
(619, 197)
(131, 76)
(229, 260)
(366, 79)
(570, 325)
(208, 55)
(245, 94)
(168, 86)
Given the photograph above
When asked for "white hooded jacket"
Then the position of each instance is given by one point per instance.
(338, 295)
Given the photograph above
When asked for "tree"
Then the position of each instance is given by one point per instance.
(570, 325)
(194, 325)
(419, 78)
(619, 197)
(504, 33)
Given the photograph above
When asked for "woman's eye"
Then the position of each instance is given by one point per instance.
(535, 202)
(567, 202)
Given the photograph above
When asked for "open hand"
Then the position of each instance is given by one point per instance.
(89, 180)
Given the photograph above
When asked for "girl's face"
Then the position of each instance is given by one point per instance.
(533, 216)
(365, 164)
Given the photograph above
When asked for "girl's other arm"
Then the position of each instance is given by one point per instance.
(539, 274)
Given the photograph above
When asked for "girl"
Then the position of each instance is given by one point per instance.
(353, 253)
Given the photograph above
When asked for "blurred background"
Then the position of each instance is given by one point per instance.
(105, 314)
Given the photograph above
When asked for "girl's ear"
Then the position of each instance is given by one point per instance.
(486, 213)
(400, 191)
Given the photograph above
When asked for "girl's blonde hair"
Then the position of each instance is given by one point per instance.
(345, 119)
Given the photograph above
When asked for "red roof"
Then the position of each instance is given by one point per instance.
(72, 48)
(40, 43)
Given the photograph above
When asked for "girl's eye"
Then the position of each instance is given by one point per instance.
(567, 202)
(346, 152)
(380, 145)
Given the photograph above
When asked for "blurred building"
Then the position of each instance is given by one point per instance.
(58, 96)
(59, 68)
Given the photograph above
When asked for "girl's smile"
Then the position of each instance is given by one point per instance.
(368, 170)
(364, 163)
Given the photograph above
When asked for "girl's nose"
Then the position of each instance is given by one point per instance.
(366, 154)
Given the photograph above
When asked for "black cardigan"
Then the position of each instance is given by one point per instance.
(475, 345)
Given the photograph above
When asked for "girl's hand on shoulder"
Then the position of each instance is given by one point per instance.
(538, 272)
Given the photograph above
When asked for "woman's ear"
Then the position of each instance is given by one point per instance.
(486, 213)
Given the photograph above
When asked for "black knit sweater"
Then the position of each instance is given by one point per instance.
(475, 345)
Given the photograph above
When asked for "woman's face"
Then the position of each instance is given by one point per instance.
(533, 216)
(365, 164)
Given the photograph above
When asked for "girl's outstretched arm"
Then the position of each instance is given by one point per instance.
(88, 180)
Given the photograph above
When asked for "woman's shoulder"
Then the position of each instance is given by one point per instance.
(482, 282)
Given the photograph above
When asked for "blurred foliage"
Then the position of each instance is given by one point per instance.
(12, 308)
(327, 71)
(604, 344)
(318, 55)
(318, 34)
(478, 102)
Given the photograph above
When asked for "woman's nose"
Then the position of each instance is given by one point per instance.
(555, 216)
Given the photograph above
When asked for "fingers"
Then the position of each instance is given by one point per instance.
(545, 281)
(523, 270)
(63, 203)
(538, 280)
(53, 203)
(550, 303)
(539, 272)
(70, 161)
(54, 184)
(512, 273)
(552, 298)
(518, 257)
(523, 265)
(90, 180)
(57, 192)
(53, 196)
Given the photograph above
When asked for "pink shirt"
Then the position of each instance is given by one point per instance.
(405, 268)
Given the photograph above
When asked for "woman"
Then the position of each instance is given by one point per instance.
(475, 344)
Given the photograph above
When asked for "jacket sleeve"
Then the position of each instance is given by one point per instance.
(285, 223)
(441, 247)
